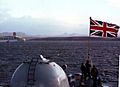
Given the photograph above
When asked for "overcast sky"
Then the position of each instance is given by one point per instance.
(55, 17)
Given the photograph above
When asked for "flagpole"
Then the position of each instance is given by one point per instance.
(119, 72)
(88, 47)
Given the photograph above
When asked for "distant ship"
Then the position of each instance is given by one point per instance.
(13, 38)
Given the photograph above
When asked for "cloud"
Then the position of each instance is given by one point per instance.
(38, 26)
(34, 26)
(114, 3)
(4, 15)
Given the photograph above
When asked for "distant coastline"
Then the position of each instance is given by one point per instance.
(74, 38)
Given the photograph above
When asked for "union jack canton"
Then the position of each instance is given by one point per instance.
(103, 29)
